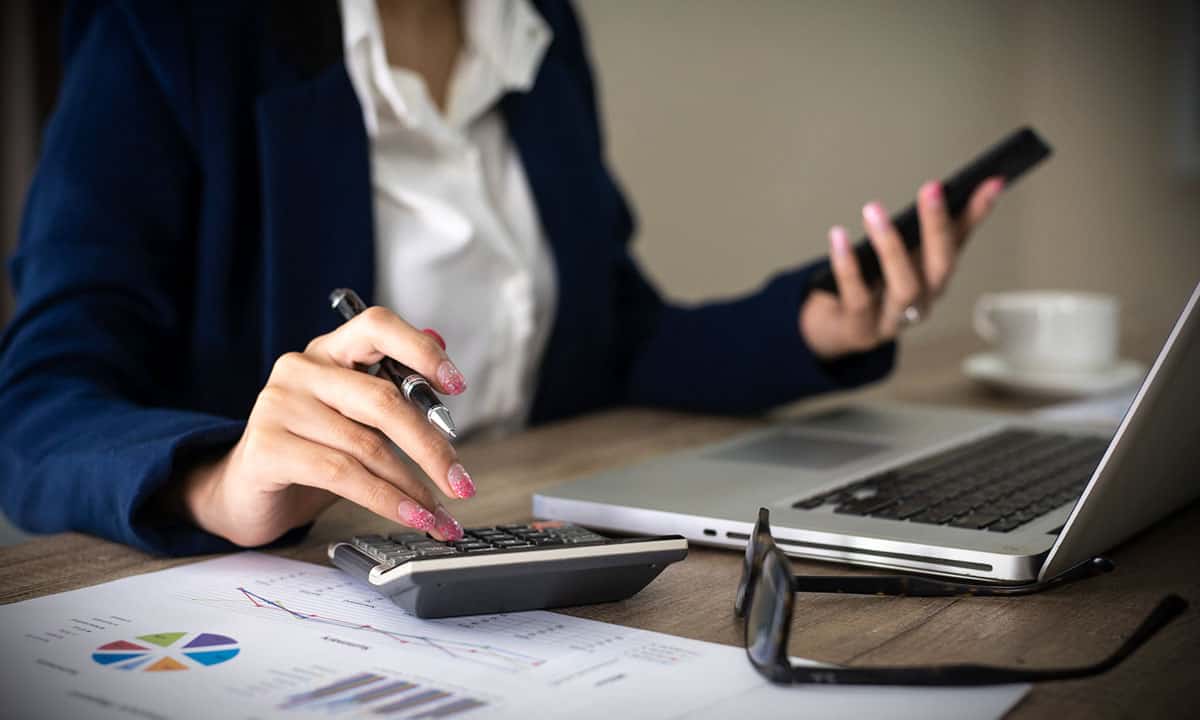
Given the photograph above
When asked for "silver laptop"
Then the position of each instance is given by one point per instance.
(934, 490)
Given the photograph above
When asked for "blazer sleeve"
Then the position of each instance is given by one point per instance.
(736, 356)
(744, 355)
(102, 277)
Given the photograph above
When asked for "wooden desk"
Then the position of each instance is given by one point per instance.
(1072, 625)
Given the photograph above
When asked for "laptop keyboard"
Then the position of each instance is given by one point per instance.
(999, 483)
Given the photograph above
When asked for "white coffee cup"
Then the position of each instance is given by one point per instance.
(1050, 331)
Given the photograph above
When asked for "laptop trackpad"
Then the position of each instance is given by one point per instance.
(796, 449)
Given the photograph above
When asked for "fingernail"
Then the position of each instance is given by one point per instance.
(839, 241)
(460, 481)
(415, 516)
(450, 378)
(447, 526)
(931, 193)
(874, 213)
(436, 336)
(997, 184)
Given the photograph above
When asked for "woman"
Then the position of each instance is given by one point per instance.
(174, 378)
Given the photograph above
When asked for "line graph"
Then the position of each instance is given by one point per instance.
(335, 608)
(483, 653)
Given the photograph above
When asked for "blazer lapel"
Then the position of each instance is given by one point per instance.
(318, 227)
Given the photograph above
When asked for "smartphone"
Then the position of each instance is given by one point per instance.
(1010, 158)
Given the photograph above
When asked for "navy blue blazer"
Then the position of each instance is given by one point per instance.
(203, 185)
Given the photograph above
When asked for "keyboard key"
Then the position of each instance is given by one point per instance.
(907, 509)
(1013, 476)
(865, 506)
(511, 543)
(1005, 524)
(975, 520)
(810, 503)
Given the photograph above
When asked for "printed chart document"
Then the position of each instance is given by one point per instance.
(255, 636)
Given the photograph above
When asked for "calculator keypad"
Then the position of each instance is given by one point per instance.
(399, 548)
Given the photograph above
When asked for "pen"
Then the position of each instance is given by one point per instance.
(415, 388)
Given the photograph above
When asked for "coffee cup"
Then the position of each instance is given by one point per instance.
(1050, 331)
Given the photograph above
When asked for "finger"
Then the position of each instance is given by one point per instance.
(856, 300)
(306, 463)
(378, 403)
(436, 336)
(377, 333)
(939, 237)
(903, 285)
(981, 203)
(852, 291)
(308, 418)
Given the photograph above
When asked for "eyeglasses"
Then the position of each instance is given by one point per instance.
(766, 599)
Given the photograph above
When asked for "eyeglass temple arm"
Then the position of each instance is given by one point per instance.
(930, 587)
(1167, 610)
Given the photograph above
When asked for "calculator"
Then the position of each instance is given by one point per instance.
(531, 566)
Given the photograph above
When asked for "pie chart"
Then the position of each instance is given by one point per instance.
(168, 651)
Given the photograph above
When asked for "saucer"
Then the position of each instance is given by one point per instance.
(991, 370)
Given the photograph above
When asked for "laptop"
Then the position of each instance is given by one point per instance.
(972, 495)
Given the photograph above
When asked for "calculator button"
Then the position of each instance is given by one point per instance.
(469, 546)
(364, 541)
(511, 543)
(399, 557)
(424, 544)
(407, 537)
(482, 549)
(436, 551)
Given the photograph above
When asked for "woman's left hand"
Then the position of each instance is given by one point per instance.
(858, 318)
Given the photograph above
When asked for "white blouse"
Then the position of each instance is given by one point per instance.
(458, 244)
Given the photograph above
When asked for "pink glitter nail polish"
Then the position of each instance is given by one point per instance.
(415, 516)
(450, 378)
(447, 526)
(460, 481)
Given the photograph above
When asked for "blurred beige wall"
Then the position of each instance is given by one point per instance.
(1101, 78)
(743, 130)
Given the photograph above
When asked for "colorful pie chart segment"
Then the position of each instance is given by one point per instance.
(167, 652)
(213, 657)
(205, 639)
(162, 639)
(167, 663)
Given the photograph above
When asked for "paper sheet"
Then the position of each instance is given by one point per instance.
(255, 636)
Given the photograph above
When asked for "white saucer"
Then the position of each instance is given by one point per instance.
(991, 370)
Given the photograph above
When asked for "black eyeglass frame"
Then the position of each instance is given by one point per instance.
(764, 557)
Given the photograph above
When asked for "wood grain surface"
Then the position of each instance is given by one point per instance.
(1071, 625)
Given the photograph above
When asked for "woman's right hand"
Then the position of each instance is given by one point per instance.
(321, 429)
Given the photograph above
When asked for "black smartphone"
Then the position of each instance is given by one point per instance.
(1010, 159)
